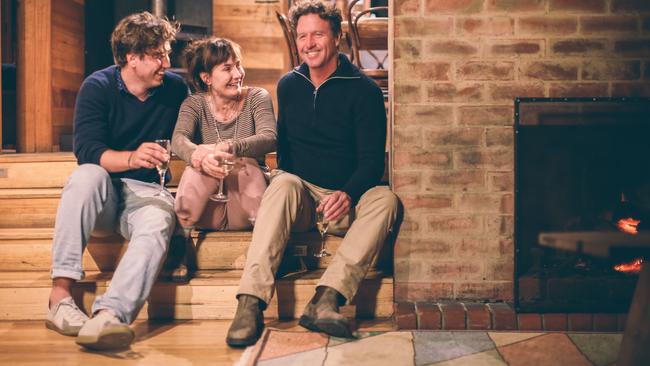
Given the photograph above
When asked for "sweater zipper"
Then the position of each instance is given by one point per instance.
(323, 83)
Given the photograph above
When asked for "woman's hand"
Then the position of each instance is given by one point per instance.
(210, 164)
(200, 153)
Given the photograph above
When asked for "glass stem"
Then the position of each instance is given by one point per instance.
(162, 180)
(221, 188)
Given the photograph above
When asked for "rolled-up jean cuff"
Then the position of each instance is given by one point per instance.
(75, 275)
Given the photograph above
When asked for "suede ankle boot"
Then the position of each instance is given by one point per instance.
(322, 314)
(248, 324)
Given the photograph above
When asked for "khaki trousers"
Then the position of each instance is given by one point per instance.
(288, 205)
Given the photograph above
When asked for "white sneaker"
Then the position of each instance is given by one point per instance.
(65, 317)
(105, 332)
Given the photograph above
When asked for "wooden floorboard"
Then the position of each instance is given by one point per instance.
(157, 343)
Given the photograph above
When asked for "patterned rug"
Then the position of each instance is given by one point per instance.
(444, 348)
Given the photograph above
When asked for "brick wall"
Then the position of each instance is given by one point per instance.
(458, 65)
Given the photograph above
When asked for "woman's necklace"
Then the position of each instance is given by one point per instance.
(233, 112)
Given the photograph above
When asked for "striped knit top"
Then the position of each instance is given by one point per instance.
(254, 128)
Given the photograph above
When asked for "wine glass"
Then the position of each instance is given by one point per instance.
(162, 167)
(321, 224)
(228, 164)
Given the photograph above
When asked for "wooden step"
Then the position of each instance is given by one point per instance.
(28, 249)
(209, 295)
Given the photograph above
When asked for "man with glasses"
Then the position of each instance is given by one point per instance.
(120, 111)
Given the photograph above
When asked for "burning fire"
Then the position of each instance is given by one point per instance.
(628, 225)
(631, 267)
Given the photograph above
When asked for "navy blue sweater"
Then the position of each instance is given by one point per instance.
(108, 116)
(333, 136)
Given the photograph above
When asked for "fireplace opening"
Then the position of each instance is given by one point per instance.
(582, 185)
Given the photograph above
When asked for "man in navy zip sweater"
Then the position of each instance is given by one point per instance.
(119, 113)
(331, 139)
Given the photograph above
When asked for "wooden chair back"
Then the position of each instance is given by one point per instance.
(290, 38)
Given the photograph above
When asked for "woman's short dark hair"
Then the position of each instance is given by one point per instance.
(325, 11)
(203, 55)
(139, 33)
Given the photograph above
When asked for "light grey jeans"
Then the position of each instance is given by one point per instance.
(93, 203)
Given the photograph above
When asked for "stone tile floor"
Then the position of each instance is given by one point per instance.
(448, 348)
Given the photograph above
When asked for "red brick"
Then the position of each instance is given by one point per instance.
(450, 48)
(529, 288)
(630, 5)
(605, 323)
(580, 322)
(503, 316)
(453, 316)
(425, 201)
(633, 48)
(508, 92)
(493, 26)
(423, 115)
(478, 316)
(414, 159)
(499, 182)
(407, 7)
(450, 271)
(516, 5)
(429, 316)
(555, 322)
(420, 27)
(621, 322)
(435, 7)
(407, 181)
(424, 71)
(500, 270)
(454, 137)
(609, 24)
(486, 248)
(485, 116)
(423, 291)
(579, 47)
(496, 159)
(631, 89)
(409, 226)
(485, 291)
(457, 181)
(407, 138)
(500, 137)
(423, 248)
(454, 224)
(500, 225)
(407, 48)
(488, 70)
(480, 202)
(529, 321)
(452, 92)
(611, 70)
(592, 6)
(405, 317)
(516, 48)
(550, 70)
(407, 92)
(547, 25)
(566, 90)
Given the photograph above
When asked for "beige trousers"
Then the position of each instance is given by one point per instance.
(244, 186)
(288, 206)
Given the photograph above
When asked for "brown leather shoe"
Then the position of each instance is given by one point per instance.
(322, 314)
(248, 324)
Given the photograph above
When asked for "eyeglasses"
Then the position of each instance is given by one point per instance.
(159, 55)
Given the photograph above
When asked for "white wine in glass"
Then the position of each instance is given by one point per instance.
(162, 167)
(228, 165)
(322, 225)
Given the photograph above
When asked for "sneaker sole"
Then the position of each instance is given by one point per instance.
(112, 338)
(69, 333)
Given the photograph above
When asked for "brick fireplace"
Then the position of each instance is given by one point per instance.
(458, 67)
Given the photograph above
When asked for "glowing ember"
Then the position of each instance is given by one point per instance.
(631, 267)
(628, 225)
